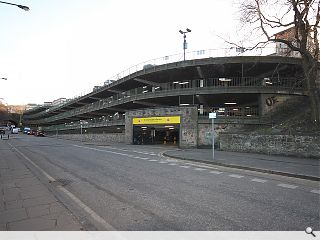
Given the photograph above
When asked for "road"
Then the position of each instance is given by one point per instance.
(125, 187)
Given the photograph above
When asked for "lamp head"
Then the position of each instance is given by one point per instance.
(24, 7)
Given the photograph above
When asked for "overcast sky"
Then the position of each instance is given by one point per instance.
(61, 48)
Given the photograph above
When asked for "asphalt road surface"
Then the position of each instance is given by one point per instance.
(126, 187)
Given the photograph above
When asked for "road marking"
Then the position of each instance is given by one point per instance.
(162, 162)
(185, 166)
(100, 150)
(315, 191)
(173, 164)
(148, 153)
(215, 172)
(199, 169)
(126, 150)
(87, 209)
(287, 186)
(235, 176)
(197, 165)
(153, 160)
(259, 180)
(145, 158)
(141, 152)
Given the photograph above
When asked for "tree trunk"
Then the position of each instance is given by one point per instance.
(311, 70)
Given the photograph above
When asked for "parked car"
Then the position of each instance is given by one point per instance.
(31, 132)
(39, 133)
(26, 130)
(2, 131)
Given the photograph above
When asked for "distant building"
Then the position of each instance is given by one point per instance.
(59, 101)
(95, 88)
(30, 106)
(289, 34)
(16, 108)
(107, 82)
(47, 104)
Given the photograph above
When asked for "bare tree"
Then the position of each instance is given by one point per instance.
(266, 18)
(3, 112)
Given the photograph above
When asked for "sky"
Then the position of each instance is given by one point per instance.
(63, 48)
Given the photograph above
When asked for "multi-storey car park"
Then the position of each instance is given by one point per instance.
(167, 100)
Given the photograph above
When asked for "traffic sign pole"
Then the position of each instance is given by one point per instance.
(212, 116)
(212, 120)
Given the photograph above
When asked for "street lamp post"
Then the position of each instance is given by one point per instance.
(184, 42)
(19, 6)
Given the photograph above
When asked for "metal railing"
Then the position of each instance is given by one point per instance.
(199, 54)
(224, 114)
(231, 111)
(286, 85)
(88, 123)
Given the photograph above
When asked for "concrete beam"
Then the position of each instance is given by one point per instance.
(117, 109)
(200, 73)
(147, 82)
(272, 72)
(114, 91)
(95, 98)
(149, 104)
(80, 103)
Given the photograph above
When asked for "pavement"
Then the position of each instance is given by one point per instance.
(305, 168)
(26, 204)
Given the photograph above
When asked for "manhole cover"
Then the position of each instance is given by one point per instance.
(61, 182)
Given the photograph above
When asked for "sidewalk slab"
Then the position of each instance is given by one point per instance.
(25, 202)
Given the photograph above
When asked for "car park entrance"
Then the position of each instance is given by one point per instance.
(156, 130)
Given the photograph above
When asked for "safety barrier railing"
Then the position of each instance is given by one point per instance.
(193, 55)
(274, 82)
(230, 111)
(283, 84)
(223, 114)
(88, 123)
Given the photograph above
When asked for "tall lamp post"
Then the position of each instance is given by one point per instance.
(184, 42)
(19, 6)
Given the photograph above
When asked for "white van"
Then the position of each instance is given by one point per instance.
(15, 130)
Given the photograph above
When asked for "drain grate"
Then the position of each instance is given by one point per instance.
(61, 182)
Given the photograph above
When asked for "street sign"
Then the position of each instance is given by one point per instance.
(212, 115)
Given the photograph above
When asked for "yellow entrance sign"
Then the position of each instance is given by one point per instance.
(156, 120)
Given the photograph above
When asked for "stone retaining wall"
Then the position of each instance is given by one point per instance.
(91, 137)
(299, 146)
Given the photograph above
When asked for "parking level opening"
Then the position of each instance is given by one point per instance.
(156, 134)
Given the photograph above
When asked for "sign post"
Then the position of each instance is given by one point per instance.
(212, 116)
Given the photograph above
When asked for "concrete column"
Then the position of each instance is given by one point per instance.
(128, 129)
